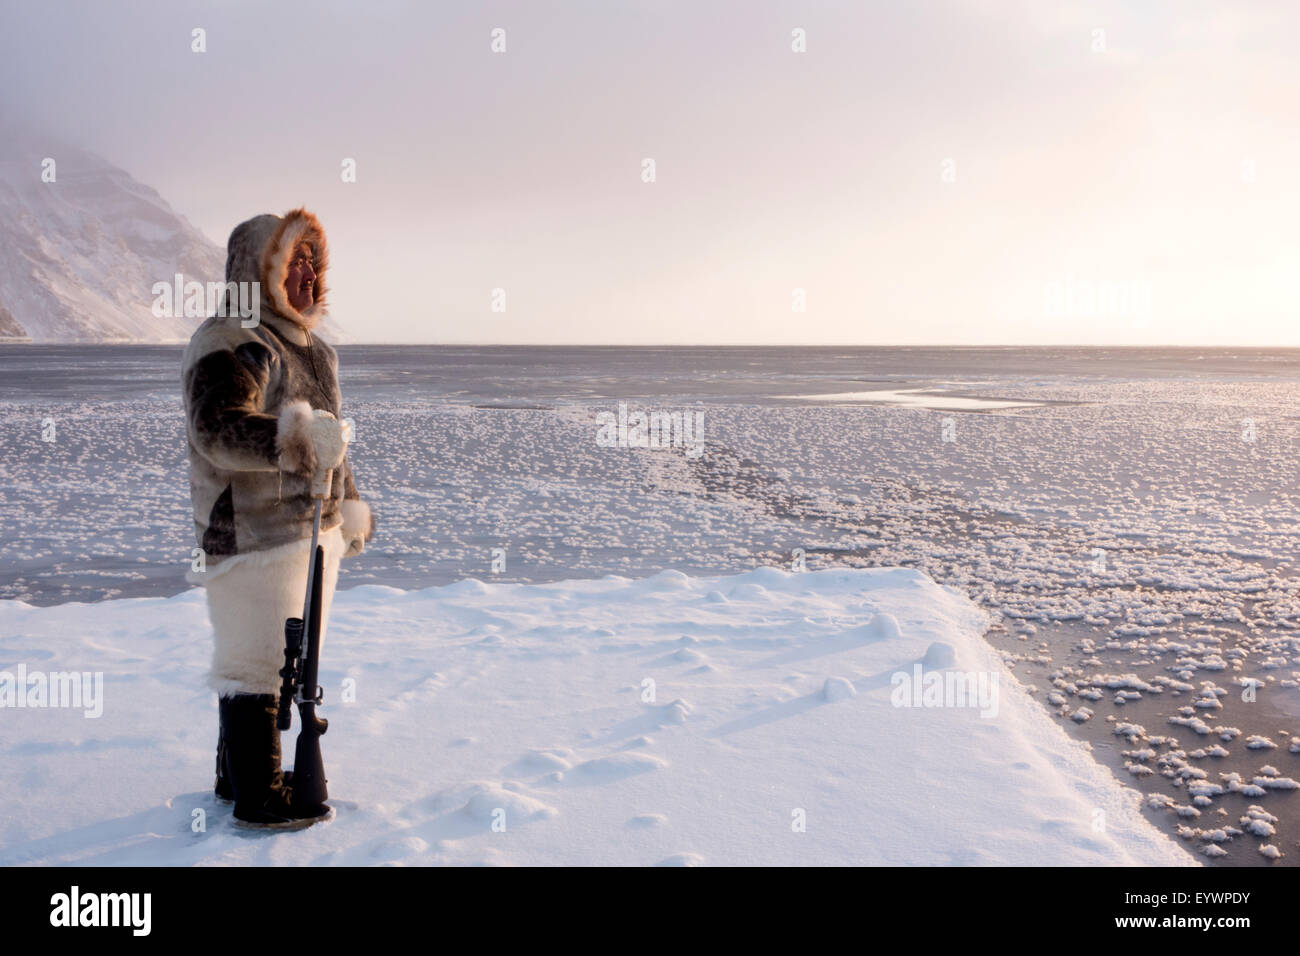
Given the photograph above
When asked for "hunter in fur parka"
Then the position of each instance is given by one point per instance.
(251, 396)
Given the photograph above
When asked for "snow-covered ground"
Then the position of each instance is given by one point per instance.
(668, 720)
(1136, 523)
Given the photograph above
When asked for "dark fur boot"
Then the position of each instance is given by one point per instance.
(251, 743)
(222, 789)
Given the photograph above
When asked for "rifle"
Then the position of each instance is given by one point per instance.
(301, 667)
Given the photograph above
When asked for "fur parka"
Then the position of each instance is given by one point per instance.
(249, 395)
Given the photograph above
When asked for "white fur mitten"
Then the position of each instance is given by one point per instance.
(357, 525)
(327, 440)
(309, 440)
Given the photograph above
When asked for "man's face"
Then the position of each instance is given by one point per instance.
(300, 283)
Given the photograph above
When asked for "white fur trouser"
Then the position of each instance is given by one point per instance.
(249, 597)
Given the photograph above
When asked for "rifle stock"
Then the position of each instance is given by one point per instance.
(302, 661)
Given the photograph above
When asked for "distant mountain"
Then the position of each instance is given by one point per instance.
(79, 256)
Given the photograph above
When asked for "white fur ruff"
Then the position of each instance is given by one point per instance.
(296, 228)
(248, 602)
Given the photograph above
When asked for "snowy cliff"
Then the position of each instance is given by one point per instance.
(82, 244)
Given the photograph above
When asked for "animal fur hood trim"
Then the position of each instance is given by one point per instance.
(250, 396)
(260, 250)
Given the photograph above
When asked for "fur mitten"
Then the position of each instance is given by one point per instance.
(357, 525)
(309, 440)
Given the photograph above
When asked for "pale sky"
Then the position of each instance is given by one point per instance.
(1158, 158)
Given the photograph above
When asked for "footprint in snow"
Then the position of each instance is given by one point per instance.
(542, 761)
(619, 766)
(651, 717)
(682, 859)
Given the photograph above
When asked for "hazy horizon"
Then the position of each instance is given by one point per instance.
(351, 341)
(963, 173)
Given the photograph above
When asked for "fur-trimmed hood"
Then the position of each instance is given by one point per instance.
(259, 251)
(250, 391)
